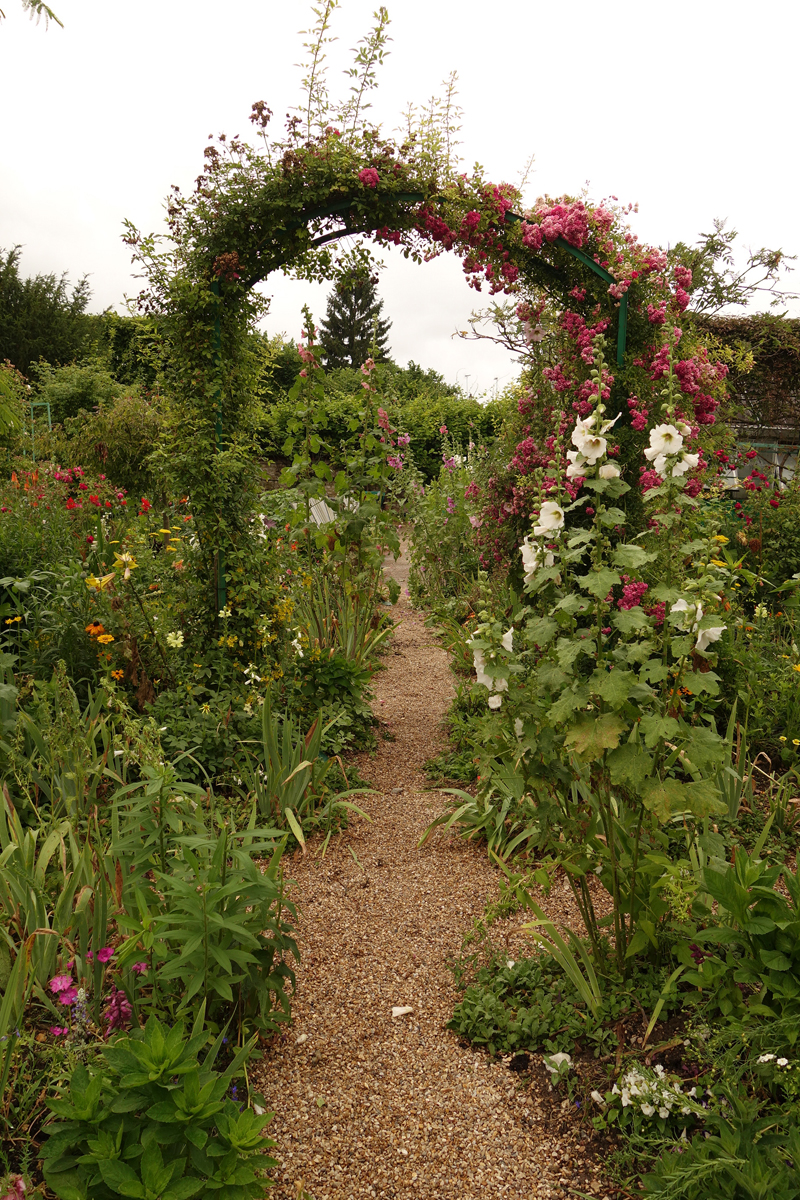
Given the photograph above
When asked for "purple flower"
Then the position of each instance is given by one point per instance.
(117, 1012)
(60, 983)
(105, 955)
(140, 968)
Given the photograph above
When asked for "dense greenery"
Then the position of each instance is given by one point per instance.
(39, 316)
(353, 329)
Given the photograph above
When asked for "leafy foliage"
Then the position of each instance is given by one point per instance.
(153, 1121)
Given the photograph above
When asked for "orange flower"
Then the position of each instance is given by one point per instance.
(94, 629)
(117, 674)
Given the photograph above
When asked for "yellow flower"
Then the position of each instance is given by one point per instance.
(99, 585)
(11, 620)
(781, 739)
(165, 531)
(205, 708)
(117, 674)
(720, 537)
(796, 741)
(796, 667)
(127, 561)
(715, 562)
(105, 638)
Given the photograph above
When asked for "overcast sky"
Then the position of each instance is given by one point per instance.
(689, 109)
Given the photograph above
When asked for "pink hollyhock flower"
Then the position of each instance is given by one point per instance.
(369, 177)
(442, 429)
(60, 983)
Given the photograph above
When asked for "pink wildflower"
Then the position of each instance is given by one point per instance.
(60, 983)
(140, 967)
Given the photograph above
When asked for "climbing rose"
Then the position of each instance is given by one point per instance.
(369, 177)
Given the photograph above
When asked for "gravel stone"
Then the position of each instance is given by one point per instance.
(371, 1106)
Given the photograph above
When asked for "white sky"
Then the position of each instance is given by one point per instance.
(689, 109)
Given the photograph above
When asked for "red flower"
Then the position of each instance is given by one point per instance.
(775, 503)
(71, 503)
(95, 500)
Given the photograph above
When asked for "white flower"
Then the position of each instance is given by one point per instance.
(175, 640)
(664, 439)
(224, 612)
(706, 636)
(662, 1112)
(692, 459)
(551, 518)
(783, 1062)
(534, 557)
(496, 701)
(609, 471)
(693, 611)
(552, 1062)
(507, 642)
(298, 649)
(518, 727)
(582, 431)
(593, 448)
(510, 964)
(648, 1110)
(599, 1098)
(577, 464)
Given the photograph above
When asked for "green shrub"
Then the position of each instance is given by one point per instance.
(74, 387)
(152, 1120)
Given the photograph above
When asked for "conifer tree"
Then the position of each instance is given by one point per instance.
(353, 328)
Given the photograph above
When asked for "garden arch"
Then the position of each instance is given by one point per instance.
(236, 231)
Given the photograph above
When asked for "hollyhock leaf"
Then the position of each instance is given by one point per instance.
(590, 737)
(599, 583)
(566, 704)
(663, 797)
(704, 799)
(630, 764)
(632, 557)
(654, 727)
(630, 620)
(613, 686)
(702, 681)
(612, 517)
(541, 630)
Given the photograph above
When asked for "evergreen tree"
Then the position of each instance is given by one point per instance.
(353, 328)
(38, 316)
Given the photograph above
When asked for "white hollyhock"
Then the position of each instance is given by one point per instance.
(534, 557)
(664, 439)
(484, 678)
(551, 518)
(706, 636)
(694, 614)
(508, 640)
(577, 463)
(609, 471)
(495, 701)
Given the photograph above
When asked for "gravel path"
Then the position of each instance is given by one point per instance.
(369, 1104)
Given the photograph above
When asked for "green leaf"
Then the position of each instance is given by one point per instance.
(613, 686)
(630, 620)
(654, 727)
(120, 1177)
(183, 1189)
(631, 558)
(698, 682)
(600, 582)
(775, 961)
(591, 737)
(630, 764)
(541, 631)
(663, 797)
(566, 704)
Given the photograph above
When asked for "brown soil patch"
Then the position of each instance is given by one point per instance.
(371, 1105)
